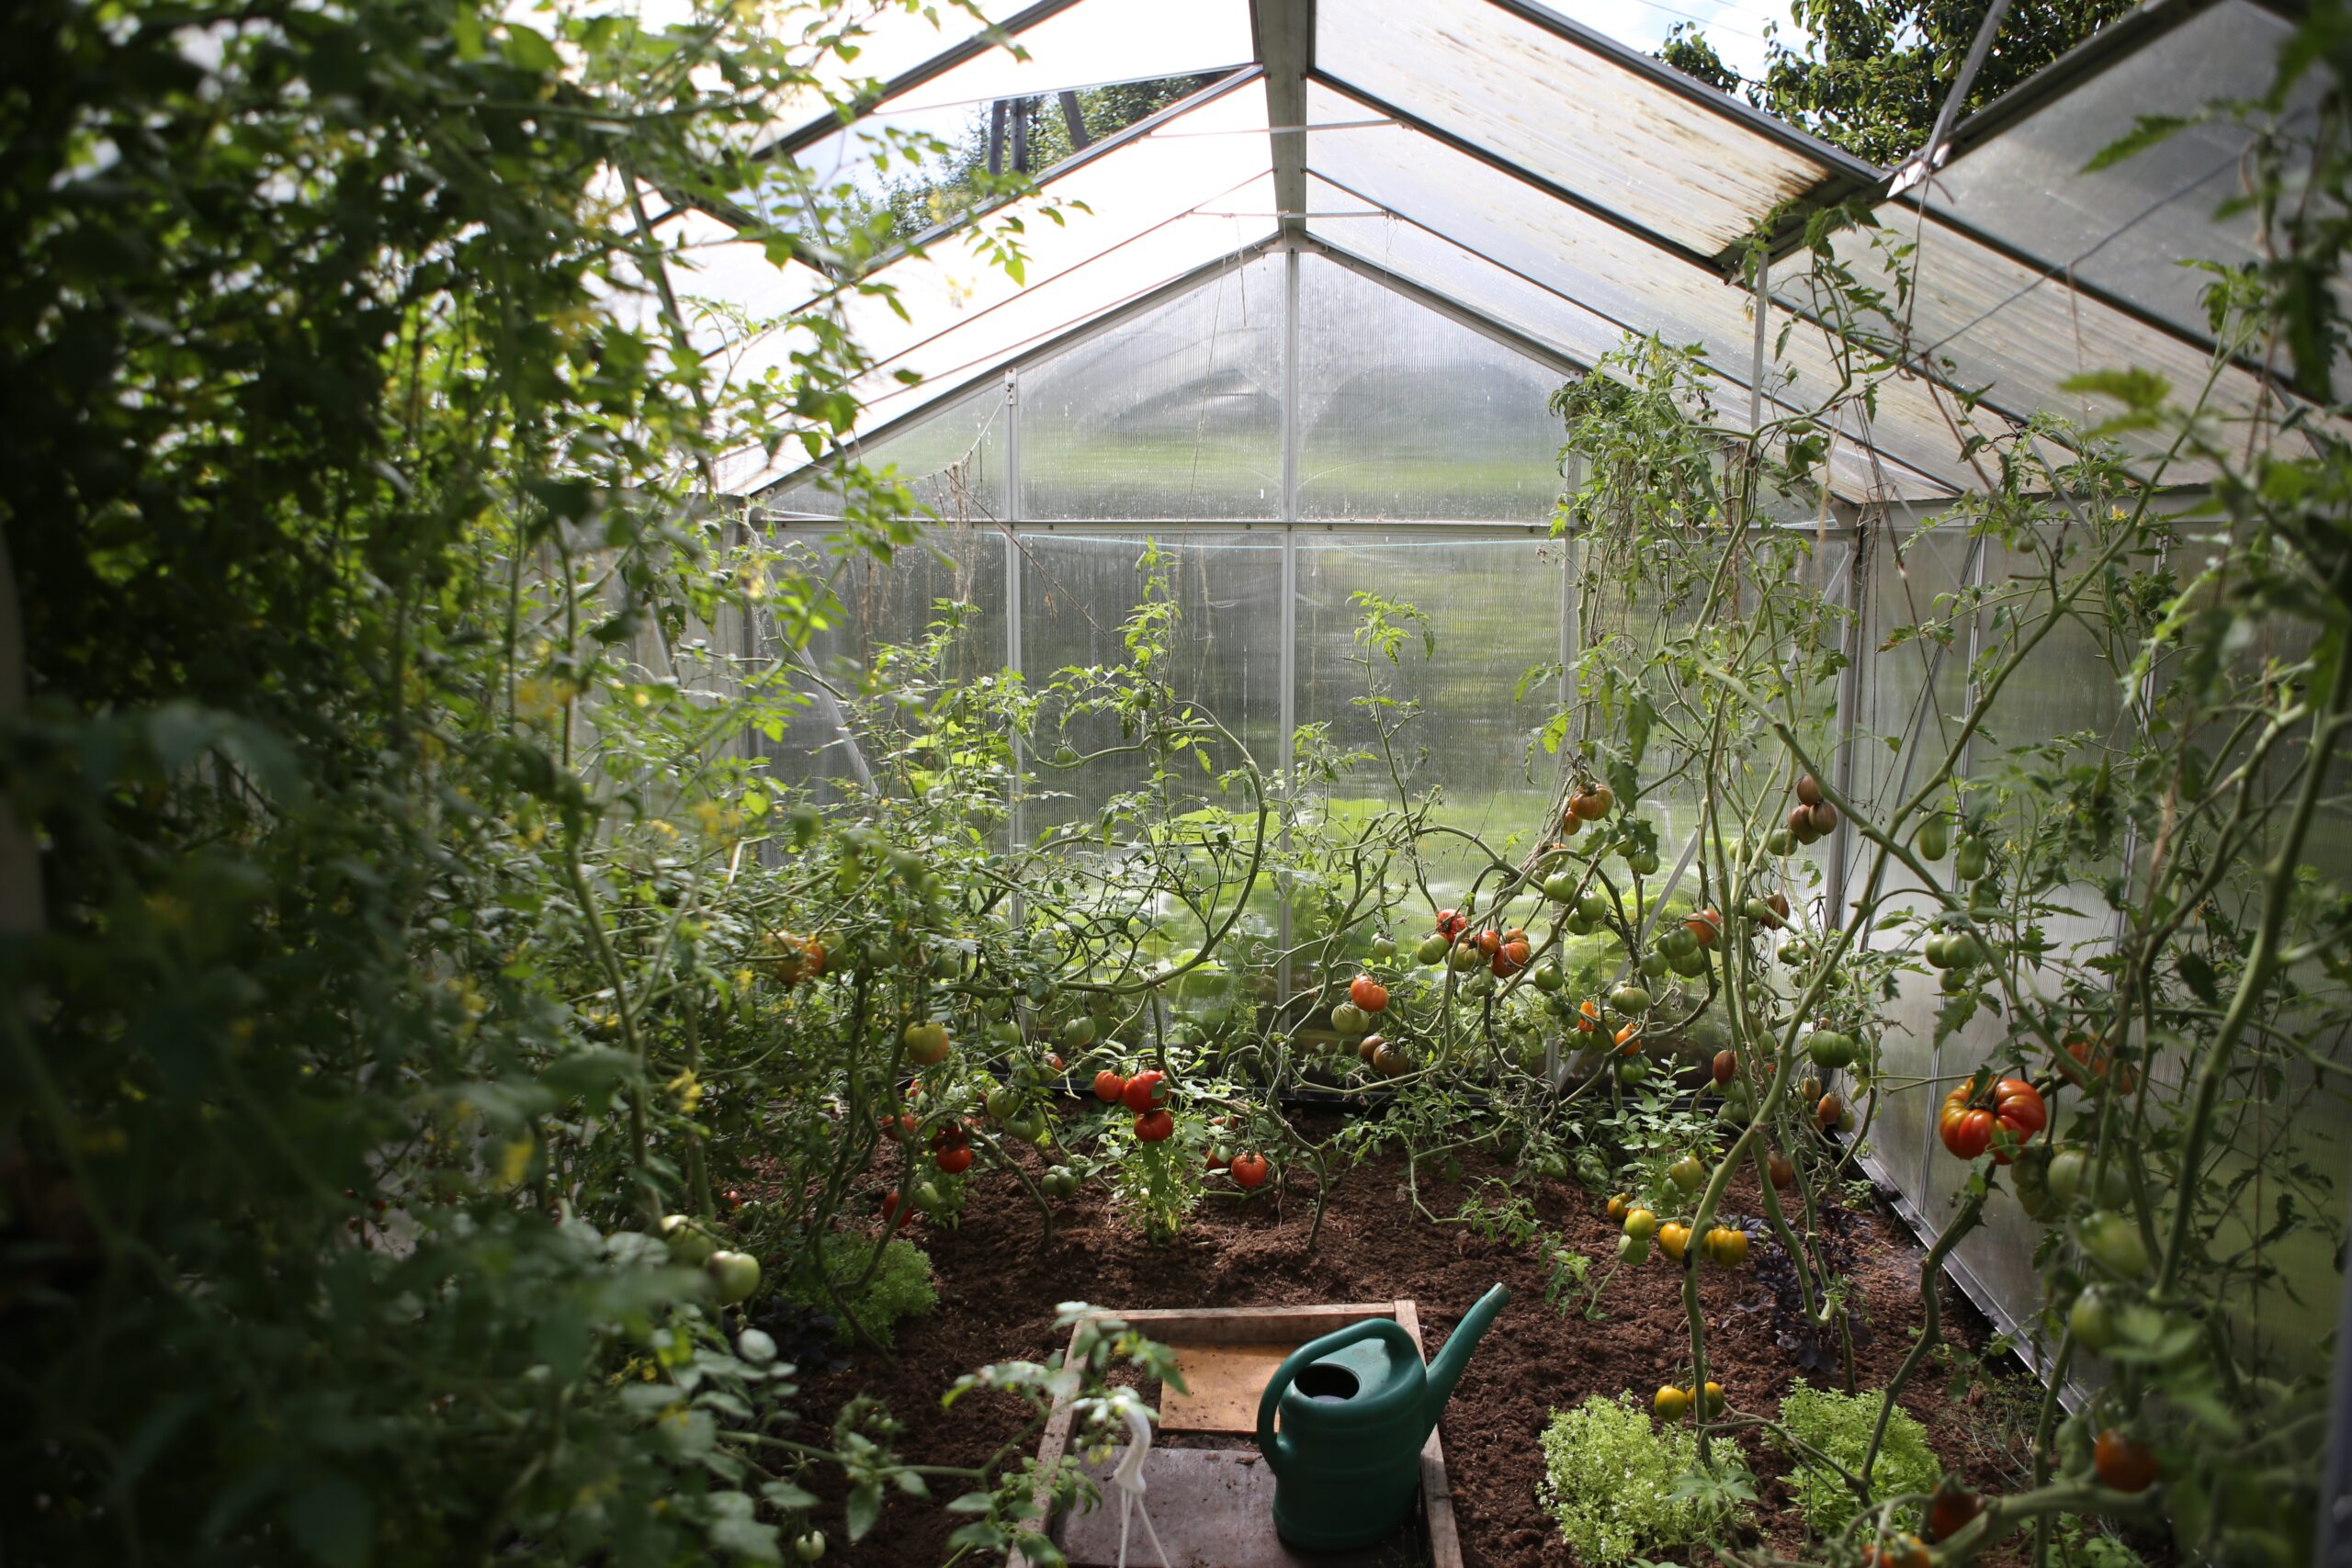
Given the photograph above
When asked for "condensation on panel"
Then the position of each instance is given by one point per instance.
(1175, 415)
(954, 461)
(1405, 413)
(881, 607)
(1079, 588)
(1495, 606)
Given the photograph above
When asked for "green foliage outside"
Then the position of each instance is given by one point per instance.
(1873, 75)
(949, 186)
(1617, 1484)
(1837, 1426)
(898, 1286)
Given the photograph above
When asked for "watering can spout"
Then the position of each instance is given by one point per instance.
(1446, 1370)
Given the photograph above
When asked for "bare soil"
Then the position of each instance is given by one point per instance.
(1000, 1286)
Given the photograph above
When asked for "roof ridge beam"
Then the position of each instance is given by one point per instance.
(1285, 31)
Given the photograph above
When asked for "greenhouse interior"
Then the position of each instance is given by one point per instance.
(1234, 783)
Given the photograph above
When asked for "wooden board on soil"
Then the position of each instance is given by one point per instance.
(1214, 1507)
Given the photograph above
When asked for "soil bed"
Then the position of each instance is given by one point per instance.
(998, 1291)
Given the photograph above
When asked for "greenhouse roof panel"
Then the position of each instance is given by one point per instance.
(1605, 126)
(1085, 45)
(2128, 227)
(1190, 189)
(1403, 251)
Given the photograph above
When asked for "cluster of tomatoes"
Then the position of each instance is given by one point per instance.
(1586, 804)
(1724, 1245)
(1146, 1095)
(2015, 1114)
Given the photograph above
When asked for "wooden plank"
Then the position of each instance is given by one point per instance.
(1223, 1383)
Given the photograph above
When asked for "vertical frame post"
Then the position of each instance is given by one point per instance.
(1016, 824)
(1289, 704)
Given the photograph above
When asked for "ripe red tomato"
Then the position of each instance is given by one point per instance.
(1368, 994)
(2120, 1462)
(1155, 1126)
(2087, 1065)
(1451, 924)
(1902, 1551)
(1593, 803)
(1727, 1066)
(955, 1159)
(1705, 926)
(949, 1137)
(1510, 958)
(1250, 1170)
(1951, 1508)
(1490, 941)
(1145, 1091)
(894, 1217)
(1966, 1131)
(2017, 1106)
(1109, 1087)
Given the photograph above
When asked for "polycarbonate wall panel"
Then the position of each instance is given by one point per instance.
(1176, 413)
(1077, 589)
(954, 461)
(884, 606)
(1404, 413)
(1588, 123)
(1495, 604)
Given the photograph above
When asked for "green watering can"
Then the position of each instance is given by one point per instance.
(1356, 1406)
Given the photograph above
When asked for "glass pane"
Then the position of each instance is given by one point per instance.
(953, 460)
(1176, 413)
(1405, 413)
(1587, 123)
(1495, 606)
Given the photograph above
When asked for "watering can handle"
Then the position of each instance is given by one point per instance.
(1272, 1444)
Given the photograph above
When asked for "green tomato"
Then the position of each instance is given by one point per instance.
(1467, 955)
(1593, 907)
(1549, 978)
(2069, 1168)
(1077, 1034)
(1972, 860)
(1561, 888)
(2092, 1318)
(1632, 1070)
(1633, 1249)
(1553, 1166)
(1432, 950)
(1678, 941)
(1829, 1049)
(1778, 842)
(1348, 1019)
(2112, 1241)
(1644, 863)
(1687, 1173)
(1629, 1000)
(810, 1547)
(690, 1245)
(1384, 946)
(1692, 964)
(737, 1275)
(1934, 841)
(1029, 1127)
(1655, 966)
